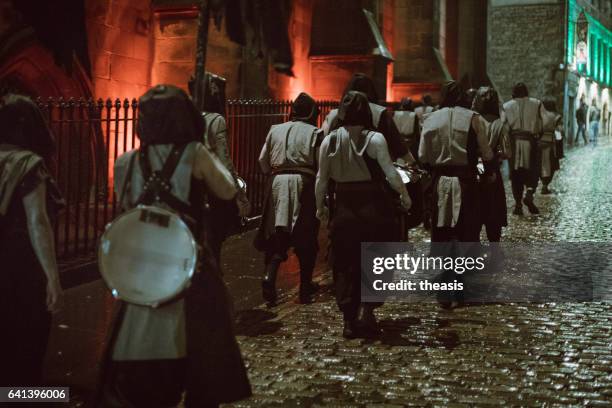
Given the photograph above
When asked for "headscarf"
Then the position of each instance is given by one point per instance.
(364, 84)
(167, 115)
(355, 111)
(22, 124)
(452, 94)
(486, 102)
(520, 90)
(304, 109)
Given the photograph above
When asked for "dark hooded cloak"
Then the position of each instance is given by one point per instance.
(362, 83)
(452, 94)
(304, 109)
(167, 115)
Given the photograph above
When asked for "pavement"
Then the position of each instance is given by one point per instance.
(522, 354)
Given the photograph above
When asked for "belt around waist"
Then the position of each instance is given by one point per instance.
(520, 135)
(300, 171)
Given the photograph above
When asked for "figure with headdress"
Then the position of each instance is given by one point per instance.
(552, 131)
(382, 120)
(492, 195)
(29, 202)
(186, 345)
(225, 214)
(288, 157)
(355, 159)
(452, 141)
(523, 115)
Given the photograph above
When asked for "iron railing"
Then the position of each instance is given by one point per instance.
(90, 135)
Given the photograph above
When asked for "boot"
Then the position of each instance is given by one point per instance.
(351, 329)
(545, 190)
(368, 320)
(528, 201)
(307, 286)
(518, 209)
(268, 284)
(306, 291)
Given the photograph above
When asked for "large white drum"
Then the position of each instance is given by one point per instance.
(147, 256)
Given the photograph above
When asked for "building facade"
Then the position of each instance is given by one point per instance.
(409, 47)
(559, 48)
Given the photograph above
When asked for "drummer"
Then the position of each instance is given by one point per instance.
(187, 345)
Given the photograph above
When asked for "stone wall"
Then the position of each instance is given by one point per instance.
(526, 43)
(120, 46)
(175, 48)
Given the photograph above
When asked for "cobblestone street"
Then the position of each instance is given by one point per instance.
(493, 355)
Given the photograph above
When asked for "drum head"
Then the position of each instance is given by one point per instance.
(147, 256)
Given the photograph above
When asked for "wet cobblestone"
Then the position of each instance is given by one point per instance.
(531, 355)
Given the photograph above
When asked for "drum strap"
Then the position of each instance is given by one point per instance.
(157, 185)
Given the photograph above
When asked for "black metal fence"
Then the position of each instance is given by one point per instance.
(91, 135)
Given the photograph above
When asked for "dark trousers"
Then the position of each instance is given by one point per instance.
(522, 179)
(362, 214)
(305, 247)
(581, 130)
(148, 384)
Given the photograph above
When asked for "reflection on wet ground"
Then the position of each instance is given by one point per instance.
(555, 354)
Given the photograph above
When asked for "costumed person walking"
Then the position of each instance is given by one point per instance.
(224, 214)
(154, 355)
(382, 120)
(551, 123)
(424, 109)
(452, 140)
(289, 217)
(356, 161)
(493, 209)
(524, 118)
(29, 280)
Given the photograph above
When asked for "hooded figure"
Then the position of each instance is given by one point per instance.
(452, 140)
(552, 124)
(289, 158)
(493, 210)
(29, 201)
(424, 109)
(523, 116)
(355, 160)
(225, 214)
(186, 345)
(382, 120)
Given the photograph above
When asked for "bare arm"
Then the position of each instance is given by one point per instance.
(378, 149)
(209, 168)
(480, 128)
(264, 157)
(322, 176)
(41, 237)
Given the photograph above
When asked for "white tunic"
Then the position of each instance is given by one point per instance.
(147, 333)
